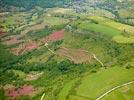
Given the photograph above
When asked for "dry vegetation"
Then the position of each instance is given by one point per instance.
(77, 56)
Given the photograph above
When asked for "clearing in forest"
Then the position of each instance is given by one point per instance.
(75, 55)
(29, 46)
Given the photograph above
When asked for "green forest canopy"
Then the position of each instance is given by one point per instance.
(32, 3)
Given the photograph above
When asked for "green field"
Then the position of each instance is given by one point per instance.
(114, 24)
(55, 21)
(110, 28)
(66, 89)
(123, 93)
(109, 31)
(94, 85)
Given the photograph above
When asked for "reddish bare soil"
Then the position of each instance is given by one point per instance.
(75, 55)
(24, 48)
(23, 90)
(30, 46)
(59, 35)
(12, 41)
(16, 51)
(2, 33)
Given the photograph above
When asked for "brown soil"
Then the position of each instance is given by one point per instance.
(24, 48)
(55, 36)
(2, 33)
(33, 76)
(75, 55)
(33, 28)
(12, 41)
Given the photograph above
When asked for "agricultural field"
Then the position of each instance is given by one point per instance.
(124, 93)
(85, 87)
(66, 50)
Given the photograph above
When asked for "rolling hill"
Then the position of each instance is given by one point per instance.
(66, 49)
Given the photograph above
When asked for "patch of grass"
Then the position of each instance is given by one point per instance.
(60, 11)
(19, 73)
(2, 94)
(5, 56)
(55, 21)
(41, 58)
(65, 91)
(110, 28)
(122, 39)
(98, 83)
(123, 93)
(94, 85)
(111, 23)
(109, 31)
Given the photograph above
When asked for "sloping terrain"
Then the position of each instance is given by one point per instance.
(66, 49)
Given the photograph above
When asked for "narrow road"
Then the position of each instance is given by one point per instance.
(46, 45)
(42, 97)
(106, 93)
(94, 56)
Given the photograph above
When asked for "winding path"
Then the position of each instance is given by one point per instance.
(94, 56)
(42, 97)
(46, 45)
(100, 97)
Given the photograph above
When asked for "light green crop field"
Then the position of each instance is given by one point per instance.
(110, 28)
(122, 39)
(123, 93)
(96, 84)
(113, 24)
(61, 11)
(65, 91)
(109, 31)
(55, 21)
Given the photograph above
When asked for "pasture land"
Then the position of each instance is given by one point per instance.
(66, 89)
(33, 28)
(104, 29)
(55, 21)
(122, 39)
(119, 32)
(111, 23)
(123, 93)
(92, 86)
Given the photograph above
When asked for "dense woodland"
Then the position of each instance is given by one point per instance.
(28, 4)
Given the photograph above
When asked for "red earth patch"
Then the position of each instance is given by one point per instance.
(59, 35)
(22, 91)
(77, 56)
(31, 45)
(2, 33)
(12, 41)
(25, 47)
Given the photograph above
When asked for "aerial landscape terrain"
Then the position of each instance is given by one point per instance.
(66, 49)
